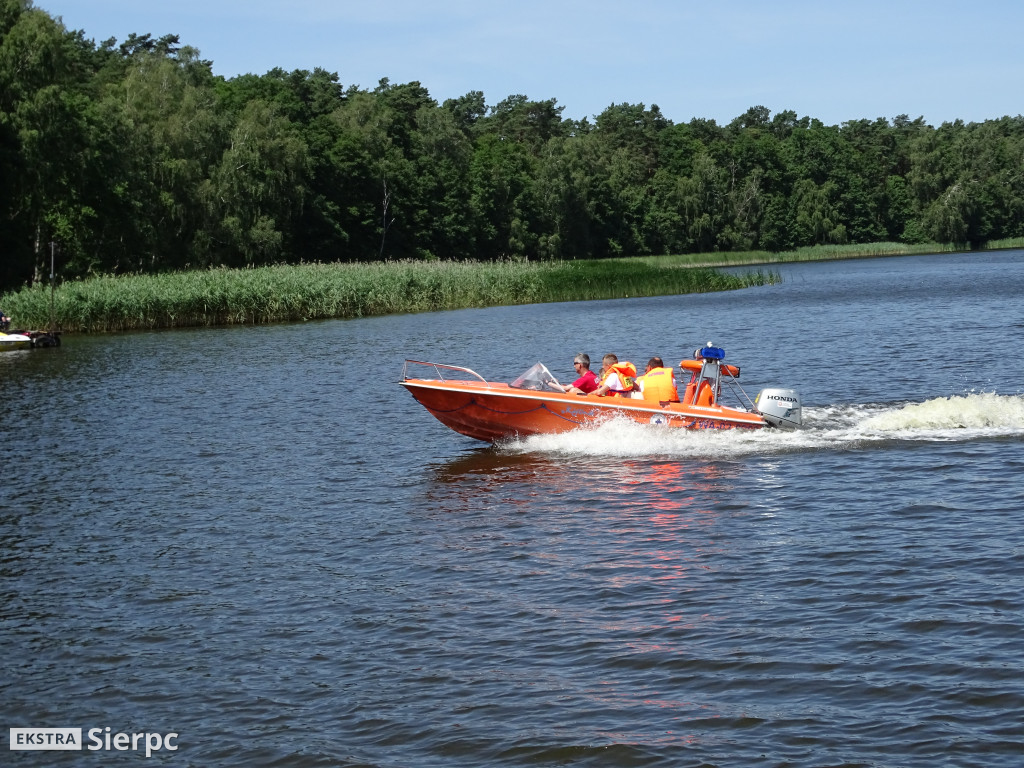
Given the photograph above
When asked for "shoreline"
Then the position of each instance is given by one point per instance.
(302, 292)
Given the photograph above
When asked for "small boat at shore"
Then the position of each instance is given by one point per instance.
(11, 341)
(28, 340)
(536, 404)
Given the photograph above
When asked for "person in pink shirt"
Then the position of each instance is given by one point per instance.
(587, 381)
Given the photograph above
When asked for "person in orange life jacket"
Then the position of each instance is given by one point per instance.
(587, 381)
(617, 379)
(658, 384)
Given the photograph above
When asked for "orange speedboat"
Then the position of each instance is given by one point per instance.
(535, 404)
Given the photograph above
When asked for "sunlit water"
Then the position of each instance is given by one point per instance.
(256, 539)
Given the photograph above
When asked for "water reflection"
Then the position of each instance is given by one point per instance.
(658, 490)
(489, 461)
(635, 531)
(621, 550)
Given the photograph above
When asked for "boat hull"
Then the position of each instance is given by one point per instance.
(492, 411)
(11, 341)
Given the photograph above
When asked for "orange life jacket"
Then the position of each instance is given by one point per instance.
(627, 378)
(659, 386)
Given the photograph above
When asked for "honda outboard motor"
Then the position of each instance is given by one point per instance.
(779, 407)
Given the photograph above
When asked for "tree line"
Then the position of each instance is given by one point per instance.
(134, 157)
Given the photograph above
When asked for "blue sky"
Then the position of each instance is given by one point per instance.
(835, 61)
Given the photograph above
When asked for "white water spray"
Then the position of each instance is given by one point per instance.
(944, 419)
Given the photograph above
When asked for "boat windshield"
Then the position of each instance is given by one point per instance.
(538, 377)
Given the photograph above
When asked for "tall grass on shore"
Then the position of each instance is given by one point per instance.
(809, 253)
(315, 291)
(1012, 242)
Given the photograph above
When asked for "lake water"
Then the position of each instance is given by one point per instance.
(254, 538)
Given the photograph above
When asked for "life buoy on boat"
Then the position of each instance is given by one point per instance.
(696, 365)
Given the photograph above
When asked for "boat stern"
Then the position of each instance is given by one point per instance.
(779, 408)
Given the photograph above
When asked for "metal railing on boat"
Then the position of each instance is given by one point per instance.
(437, 369)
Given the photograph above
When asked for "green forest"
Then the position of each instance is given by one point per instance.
(132, 157)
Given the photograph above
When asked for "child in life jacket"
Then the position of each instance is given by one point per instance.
(617, 379)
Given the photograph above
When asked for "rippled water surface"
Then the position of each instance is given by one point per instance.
(254, 538)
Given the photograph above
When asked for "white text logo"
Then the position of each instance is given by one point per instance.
(96, 739)
(46, 738)
(102, 738)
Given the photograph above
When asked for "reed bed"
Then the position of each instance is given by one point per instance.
(1012, 242)
(809, 253)
(288, 293)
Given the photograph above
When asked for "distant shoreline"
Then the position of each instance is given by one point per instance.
(292, 293)
(827, 253)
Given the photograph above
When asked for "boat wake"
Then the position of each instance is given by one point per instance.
(836, 427)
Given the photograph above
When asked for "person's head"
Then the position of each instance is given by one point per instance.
(609, 360)
(581, 362)
(655, 362)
